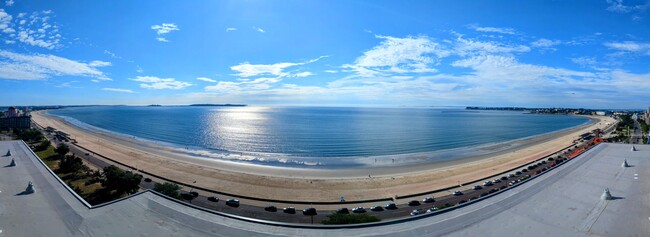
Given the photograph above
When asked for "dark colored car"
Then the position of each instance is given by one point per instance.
(390, 206)
(359, 210)
(232, 203)
(458, 193)
(289, 210)
(518, 173)
(524, 170)
(377, 208)
(428, 200)
(477, 187)
(414, 203)
(484, 194)
(461, 202)
(310, 211)
(504, 178)
(343, 210)
(271, 208)
(488, 183)
(213, 199)
(148, 180)
(194, 194)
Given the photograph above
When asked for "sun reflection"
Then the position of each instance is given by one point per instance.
(232, 128)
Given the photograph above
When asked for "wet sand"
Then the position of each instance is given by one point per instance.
(308, 184)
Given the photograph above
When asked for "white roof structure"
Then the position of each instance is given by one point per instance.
(566, 201)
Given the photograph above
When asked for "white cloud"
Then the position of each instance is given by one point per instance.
(331, 71)
(464, 47)
(205, 79)
(35, 30)
(42, 66)
(545, 43)
(630, 46)
(5, 20)
(508, 31)
(9, 3)
(259, 29)
(164, 28)
(151, 82)
(584, 61)
(230, 29)
(10, 41)
(113, 55)
(400, 55)
(619, 7)
(303, 74)
(138, 69)
(249, 70)
(97, 63)
(118, 90)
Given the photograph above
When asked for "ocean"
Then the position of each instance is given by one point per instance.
(315, 135)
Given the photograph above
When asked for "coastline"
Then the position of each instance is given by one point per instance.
(291, 183)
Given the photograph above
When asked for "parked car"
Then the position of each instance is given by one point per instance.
(414, 203)
(213, 199)
(148, 180)
(488, 183)
(428, 200)
(390, 206)
(310, 211)
(432, 209)
(377, 208)
(271, 208)
(504, 178)
(232, 203)
(417, 212)
(458, 193)
(359, 210)
(289, 210)
(343, 210)
(477, 187)
(496, 181)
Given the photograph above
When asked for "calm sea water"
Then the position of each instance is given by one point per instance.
(317, 131)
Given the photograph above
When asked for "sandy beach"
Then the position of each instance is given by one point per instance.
(301, 184)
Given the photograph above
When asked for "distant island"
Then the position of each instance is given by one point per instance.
(220, 105)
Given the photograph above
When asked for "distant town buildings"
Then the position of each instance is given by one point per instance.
(15, 118)
(646, 116)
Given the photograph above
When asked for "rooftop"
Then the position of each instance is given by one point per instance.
(564, 202)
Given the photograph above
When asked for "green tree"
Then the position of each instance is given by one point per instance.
(340, 219)
(169, 189)
(43, 145)
(121, 181)
(72, 164)
(62, 150)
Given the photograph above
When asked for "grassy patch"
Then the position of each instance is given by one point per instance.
(48, 156)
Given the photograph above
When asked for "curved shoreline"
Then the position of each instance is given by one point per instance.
(415, 159)
(313, 184)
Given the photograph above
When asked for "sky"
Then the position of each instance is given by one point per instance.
(590, 54)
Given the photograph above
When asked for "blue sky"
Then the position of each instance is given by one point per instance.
(593, 54)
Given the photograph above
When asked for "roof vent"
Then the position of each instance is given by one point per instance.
(606, 195)
(633, 148)
(625, 165)
(8, 153)
(13, 163)
(30, 188)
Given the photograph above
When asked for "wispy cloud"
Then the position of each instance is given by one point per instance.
(118, 90)
(619, 7)
(247, 69)
(151, 82)
(259, 29)
(630, 46)
(399, 55)
(508, 31)
(9, 3)
(230, 29)
(545, 43)
(43, 66)
(205, 79)
(164, 29)
(34, 29)
(113, 55)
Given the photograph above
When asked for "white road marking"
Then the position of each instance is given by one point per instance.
(636, 177)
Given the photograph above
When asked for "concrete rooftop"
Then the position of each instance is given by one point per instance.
(564, 202)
